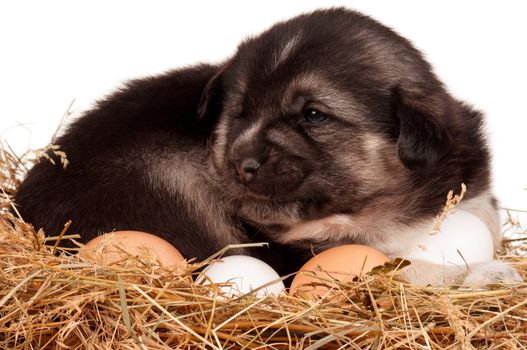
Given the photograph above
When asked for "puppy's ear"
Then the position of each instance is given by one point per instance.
(211, 99)
(425, 117)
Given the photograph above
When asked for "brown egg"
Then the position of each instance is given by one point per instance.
(115, 246)
(341, 263)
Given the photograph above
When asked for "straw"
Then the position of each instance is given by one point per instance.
(53, 299)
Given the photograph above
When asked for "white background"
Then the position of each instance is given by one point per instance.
(52, 52)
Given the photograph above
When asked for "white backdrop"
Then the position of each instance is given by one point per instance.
(52, 52)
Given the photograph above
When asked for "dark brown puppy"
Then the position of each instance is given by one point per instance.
(325, 129)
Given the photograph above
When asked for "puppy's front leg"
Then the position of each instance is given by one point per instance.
(423, 273)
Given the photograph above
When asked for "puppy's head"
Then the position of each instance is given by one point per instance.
(323, 113)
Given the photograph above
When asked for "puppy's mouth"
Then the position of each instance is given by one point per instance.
(258, 194)
(310, 202)
(275, 180)
(277, 192)
(310, 198)
(271, 187)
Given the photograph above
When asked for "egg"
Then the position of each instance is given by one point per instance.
(341, 263)
(113, 247)
(242, 274)
(463, 238)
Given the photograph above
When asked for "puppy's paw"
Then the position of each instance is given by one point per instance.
(490, 272)
(424, 273)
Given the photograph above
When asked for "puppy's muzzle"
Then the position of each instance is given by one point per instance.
(247, 170)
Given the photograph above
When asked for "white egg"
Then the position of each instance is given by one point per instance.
(463, 237)
(242, 274)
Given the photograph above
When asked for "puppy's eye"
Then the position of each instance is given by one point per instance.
(313, 116)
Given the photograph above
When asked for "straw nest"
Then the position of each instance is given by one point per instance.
(51, 298)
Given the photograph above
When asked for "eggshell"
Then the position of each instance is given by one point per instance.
(341, 263)
(113, 247)
(463, 238)
(242, 274)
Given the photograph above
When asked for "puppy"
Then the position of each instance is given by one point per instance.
(326, 129)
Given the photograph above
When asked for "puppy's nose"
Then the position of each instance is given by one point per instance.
(247, 169)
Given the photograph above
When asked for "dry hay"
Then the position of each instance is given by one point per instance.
(50, 298)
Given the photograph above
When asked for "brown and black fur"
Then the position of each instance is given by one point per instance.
(169, 154)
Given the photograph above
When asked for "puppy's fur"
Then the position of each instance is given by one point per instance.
(354, 140)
